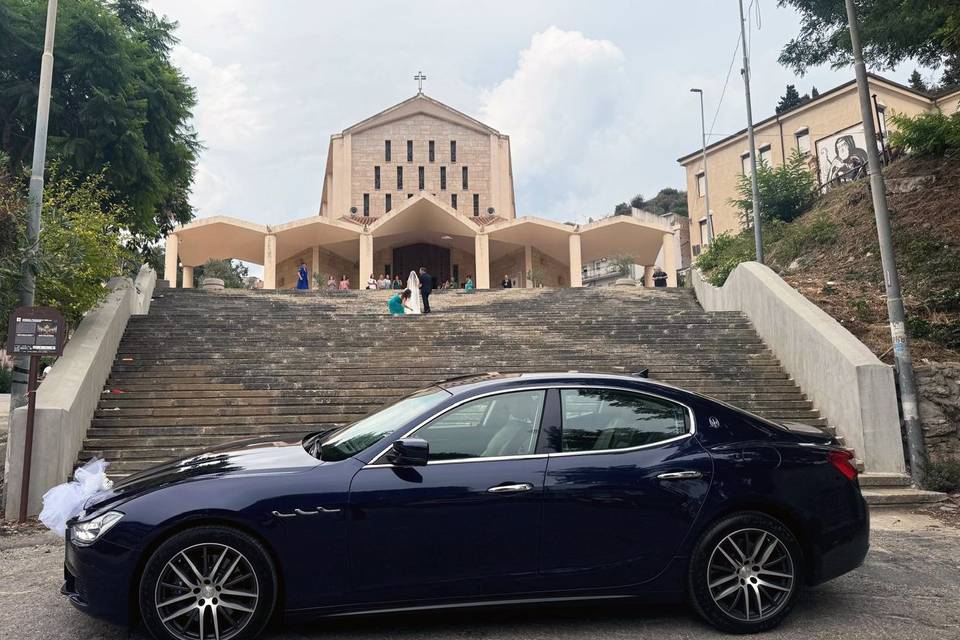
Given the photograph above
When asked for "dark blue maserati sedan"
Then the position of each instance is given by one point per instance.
(481, 491)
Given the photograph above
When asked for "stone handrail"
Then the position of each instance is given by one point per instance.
(847, 383)
(69, 395)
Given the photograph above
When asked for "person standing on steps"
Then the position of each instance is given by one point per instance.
(506, 283)
(426, 287)
(397, 284)
(331, 283)
(413, 284)
(344, 283)
(468, 285)
(303, 282)
(659, 277)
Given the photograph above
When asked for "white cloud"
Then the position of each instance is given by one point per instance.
(569, 109)
(228, 115)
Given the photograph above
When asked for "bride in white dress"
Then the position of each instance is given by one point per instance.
(413, 283)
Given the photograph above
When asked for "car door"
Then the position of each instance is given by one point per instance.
(465, 525)
(624, 489)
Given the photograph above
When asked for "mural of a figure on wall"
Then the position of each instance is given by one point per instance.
(842, 157)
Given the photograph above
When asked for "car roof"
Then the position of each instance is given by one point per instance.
(494, 380)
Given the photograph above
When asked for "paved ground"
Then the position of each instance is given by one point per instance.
(908, 589)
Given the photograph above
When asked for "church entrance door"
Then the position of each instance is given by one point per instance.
(413, 256)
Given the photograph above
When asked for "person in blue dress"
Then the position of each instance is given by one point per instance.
(302, 281)
(397, 305)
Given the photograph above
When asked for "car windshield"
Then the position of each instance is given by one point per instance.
(352, 439)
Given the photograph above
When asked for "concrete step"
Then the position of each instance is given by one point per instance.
(900, 496)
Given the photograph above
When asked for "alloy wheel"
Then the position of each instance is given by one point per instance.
(751, 575)
(206, 592)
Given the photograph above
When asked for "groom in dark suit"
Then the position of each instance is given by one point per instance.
(426, 286)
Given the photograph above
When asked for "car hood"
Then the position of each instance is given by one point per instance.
(263, 456)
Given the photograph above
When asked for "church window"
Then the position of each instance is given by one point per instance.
(453, 200)
(431, 150)
(476, 204)
(420, 178)
(366, 204)
(453, 151)
(443, 178)
(701, 184)
(376, 177)
(386, 151)
(399, 178)
(466, 179)
(409, 150)
(387, 203)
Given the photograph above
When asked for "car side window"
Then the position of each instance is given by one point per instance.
(602, 419)
(504, 424)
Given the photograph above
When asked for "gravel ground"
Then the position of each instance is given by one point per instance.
(908, 589)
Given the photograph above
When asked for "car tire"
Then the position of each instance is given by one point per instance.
(214, 576)
(738, 573)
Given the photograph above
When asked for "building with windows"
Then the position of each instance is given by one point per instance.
(420, 184)
(828, 130)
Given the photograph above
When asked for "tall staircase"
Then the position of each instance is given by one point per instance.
(206, 368)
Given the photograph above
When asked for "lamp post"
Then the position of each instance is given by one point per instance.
(757, 239)
(909, 403)
(28, 277)
(706, 183)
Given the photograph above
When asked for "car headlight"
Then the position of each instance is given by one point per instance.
(86, 533)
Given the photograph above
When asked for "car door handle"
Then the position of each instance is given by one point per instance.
(511, 488)
(680, 475)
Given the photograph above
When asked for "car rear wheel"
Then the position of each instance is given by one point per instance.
(745, 573)
(208, 583)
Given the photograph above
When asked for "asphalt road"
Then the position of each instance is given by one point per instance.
(908, 589)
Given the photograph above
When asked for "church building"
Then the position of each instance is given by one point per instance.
(421, 185)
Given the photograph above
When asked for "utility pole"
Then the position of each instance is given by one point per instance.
(28, 281)
(757, 237)
(706, 184)
(901, 346)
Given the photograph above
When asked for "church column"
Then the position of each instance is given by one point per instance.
(576, 263)
(648, 276)
(187, 277)
(481, 245)
(366, 259)
(527, 265)
(314, 282)
(270, 262)
(170, 260)
(669, 261)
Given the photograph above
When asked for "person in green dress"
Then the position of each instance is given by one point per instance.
(398, 303)
(469, 284)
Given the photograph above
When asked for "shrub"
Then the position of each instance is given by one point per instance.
(723, 255)
(943, 476)
(927, 134)
(6, 379)
(785, 192)
(622, 263)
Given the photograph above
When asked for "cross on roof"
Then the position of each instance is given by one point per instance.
(419, 78)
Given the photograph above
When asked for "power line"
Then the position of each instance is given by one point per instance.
(723, 92)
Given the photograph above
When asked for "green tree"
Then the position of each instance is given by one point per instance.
(622, 263)
(926, 134)
(232, 272)
(927, 31)
(118, 105)
(917, 83)
(622, 209)
(668, 200)
(81, 244)
(785, 191)
(791, 99)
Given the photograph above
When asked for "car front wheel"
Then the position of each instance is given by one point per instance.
(208, 583)
(745, 573)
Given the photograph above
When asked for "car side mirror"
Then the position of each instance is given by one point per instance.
(409, 452)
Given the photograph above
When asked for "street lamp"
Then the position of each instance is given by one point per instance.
(706, 184)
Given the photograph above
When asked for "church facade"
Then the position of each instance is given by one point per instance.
(421, 185)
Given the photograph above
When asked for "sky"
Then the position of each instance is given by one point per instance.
(594, 95)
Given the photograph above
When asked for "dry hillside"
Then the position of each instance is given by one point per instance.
(832, 257)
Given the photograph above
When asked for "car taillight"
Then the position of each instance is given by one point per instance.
(843, 461)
